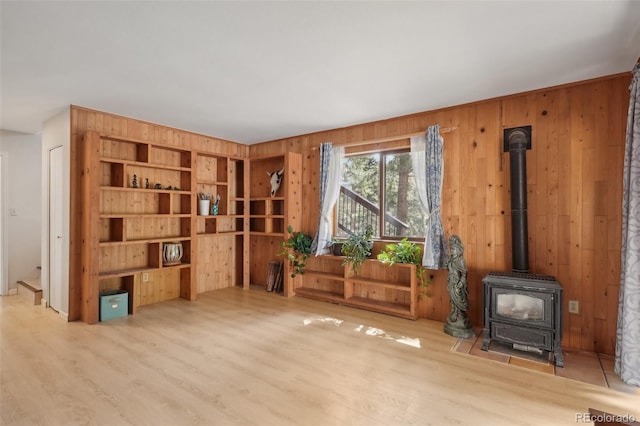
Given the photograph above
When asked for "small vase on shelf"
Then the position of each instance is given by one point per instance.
(214, 206)
(171, 254)
(203, 207)
(204, 203)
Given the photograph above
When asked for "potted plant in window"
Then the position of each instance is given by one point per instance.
(297, 249)
(357, 248)
(335, 246)
(407, 252)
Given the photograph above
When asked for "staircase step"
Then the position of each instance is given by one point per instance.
(31, 290)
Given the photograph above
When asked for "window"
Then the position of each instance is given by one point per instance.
(380, 179)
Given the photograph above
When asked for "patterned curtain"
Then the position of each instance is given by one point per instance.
(331, 164)
(419, 165)
(627, 364)
(428, 165)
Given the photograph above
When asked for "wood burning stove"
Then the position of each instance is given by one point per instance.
(522, 309)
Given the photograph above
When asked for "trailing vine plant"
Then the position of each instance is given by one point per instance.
(297, 249)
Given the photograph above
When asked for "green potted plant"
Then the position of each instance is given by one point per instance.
(357, 248)
(335, 246)
(407, 252)
(297, 249)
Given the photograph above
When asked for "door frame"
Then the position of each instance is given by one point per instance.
(4, 243)
(49, 227)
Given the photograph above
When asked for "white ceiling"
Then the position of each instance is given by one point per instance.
(258, 71)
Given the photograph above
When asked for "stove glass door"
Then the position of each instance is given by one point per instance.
(520, 306)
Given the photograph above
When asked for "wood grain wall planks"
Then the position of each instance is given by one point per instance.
(574, 185)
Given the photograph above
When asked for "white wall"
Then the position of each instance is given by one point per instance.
(22, 160)
(56, 132)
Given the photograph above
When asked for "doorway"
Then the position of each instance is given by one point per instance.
(4, 279)
(55, 227)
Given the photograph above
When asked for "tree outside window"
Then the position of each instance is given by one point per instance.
(380, 179)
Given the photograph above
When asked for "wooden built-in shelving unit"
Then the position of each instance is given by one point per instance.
(378, 287)
(269, 217)
(126, 225)
(223, 176)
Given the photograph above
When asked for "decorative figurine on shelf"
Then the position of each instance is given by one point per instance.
(276, 180)
(458, 324)
(214, 206)
(146, 183)
(157, 186)
(134, 182)
(171, 254)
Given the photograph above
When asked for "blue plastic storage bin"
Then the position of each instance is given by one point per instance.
(113, 304)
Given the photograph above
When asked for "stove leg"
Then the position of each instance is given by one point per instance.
(485, 340)
(558, 356)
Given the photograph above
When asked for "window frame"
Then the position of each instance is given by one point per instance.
(382, 191)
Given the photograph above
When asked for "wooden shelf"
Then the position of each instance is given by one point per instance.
(144, 215)
(221, 234)
(145, 164)
(134, 271)
(394, 290)
(381, 284)
(323, 275)
(379, 306)
(212, 182)
(144, 241)
(144, 190)
(267, 198)
(322, 295)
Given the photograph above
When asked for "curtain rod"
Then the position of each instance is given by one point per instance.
(392, 138)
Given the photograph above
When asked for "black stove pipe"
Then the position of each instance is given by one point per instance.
(517, 140)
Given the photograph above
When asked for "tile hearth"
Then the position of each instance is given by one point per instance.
(587, 367)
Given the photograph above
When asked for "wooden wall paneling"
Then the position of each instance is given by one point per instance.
(439, 295)
(573, 208)
(76, 226)
(246, 246)
(539, 212)
(615, 157)
(310, 189)
(454, 173)
(263, 250)
(550, 116)
(292, 181)
(474, 282)
(587, 303)
(90, 228)
(488, 127)
(607, 342)
(216, 262)
(163, 284)
(573, 288)
(588, 180)
(503, 197)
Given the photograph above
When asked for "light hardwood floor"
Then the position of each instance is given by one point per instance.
(237, 357)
